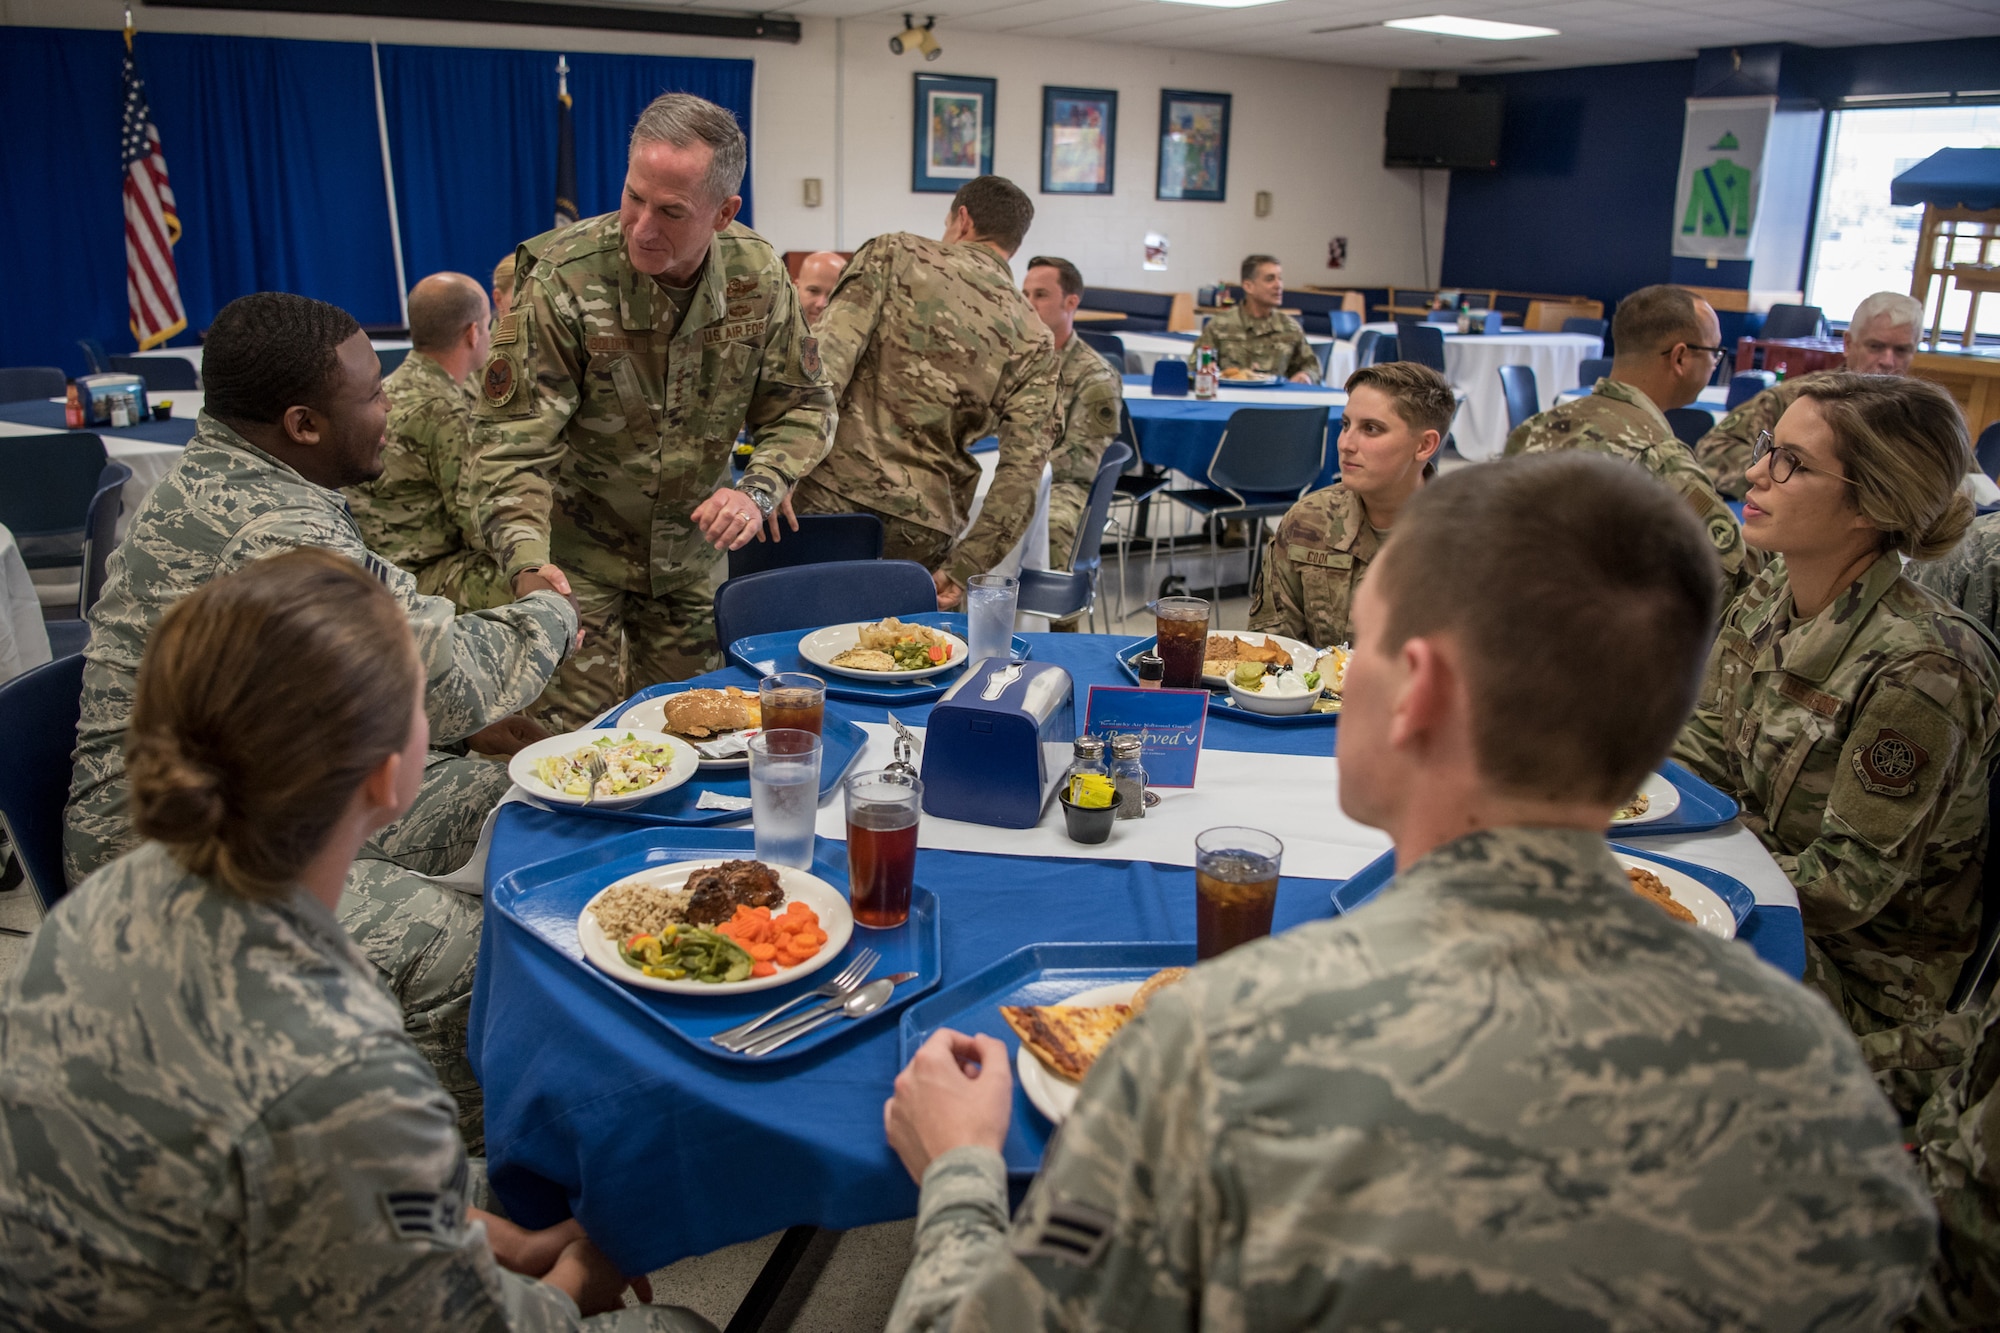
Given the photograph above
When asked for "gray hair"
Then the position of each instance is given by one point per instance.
(684, 120)
(1899, 309)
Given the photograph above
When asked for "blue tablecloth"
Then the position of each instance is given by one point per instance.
(1182, 433)
(662, 1153)
(50, 417)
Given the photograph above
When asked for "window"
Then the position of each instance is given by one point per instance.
(1862, 243)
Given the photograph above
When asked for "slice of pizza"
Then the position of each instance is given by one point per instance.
(1067, 1038)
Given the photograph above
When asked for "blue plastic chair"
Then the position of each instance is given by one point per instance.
(1372, 347)
(1107, 345)
(1421, 343)
(1584, 324)
(94, 358)
(1793, 321)
(27, 384)
(51, 481)
(1343, 323)
(1591, 370)
(38, 713)
(1689, 424)
(159, 372)
(1170, 378)
(808, 596)
(1057, 594)
(1517, 386)
(821, 538)
(1747, 385)
(391, 357)
(1268, 457)
(1987, 452)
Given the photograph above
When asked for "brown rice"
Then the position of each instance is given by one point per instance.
(638, 909)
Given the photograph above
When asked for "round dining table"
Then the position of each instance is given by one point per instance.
(1182, 432)
(663, 1150)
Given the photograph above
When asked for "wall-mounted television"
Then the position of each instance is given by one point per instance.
(1444, 127)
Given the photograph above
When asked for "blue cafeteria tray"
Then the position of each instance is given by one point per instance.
(1375, 876)
(545, 898)
(1037, 974)
(840, 741)
(768, 653)
(1219, 702)
(1702, 807)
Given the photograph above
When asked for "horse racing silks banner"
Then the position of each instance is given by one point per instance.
(1722, 176)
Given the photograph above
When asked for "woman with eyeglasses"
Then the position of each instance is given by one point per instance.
(1851, 713)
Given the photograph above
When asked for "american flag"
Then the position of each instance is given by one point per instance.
(151, 223)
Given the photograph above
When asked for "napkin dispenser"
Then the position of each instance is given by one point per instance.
(984, 760)
(97, 393)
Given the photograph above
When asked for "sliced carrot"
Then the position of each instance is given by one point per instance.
(763, 969)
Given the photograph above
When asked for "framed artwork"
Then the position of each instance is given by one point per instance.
(1079, 140)
(954, 132)
(1194, 146)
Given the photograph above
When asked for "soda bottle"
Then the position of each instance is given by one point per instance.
(72, 407)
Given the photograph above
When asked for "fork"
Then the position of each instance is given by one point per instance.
(595, 765)
(843, 982)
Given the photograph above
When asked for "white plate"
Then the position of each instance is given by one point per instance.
(1239, 382)
(653, 713)
(1665, 799)
(1303, 654)
(823, 645)
(521, 767)
(1711, 913)
(834, 918)
(1052, 1094)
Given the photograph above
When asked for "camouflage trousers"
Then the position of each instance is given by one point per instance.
(472, 580)
(1910, 1059)
(901, 539)
(630, 640)
(423, 938)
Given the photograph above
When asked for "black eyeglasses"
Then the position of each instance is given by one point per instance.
(1714, 353)
(1785, 462)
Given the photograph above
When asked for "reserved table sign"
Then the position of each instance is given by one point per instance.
(1169, 724)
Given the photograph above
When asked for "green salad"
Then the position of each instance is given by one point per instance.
(630, 765)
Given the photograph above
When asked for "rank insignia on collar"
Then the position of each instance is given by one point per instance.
(1890, 765)
(498, 383)
(809, 355)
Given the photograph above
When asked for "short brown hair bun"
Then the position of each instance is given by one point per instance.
(264, 699)
(1903, 443)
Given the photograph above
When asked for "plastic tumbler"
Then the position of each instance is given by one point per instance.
(882, 816)
(989, 612)
(784, 795)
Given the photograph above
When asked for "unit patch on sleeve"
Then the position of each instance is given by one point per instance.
(1889, 765)
(498, 383)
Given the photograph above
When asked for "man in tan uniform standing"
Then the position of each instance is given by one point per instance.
(929, 347)
(640, 343)
(1088, 393)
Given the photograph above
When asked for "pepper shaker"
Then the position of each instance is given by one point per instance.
(1128, 776)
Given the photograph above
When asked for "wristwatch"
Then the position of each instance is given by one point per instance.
(763, 499)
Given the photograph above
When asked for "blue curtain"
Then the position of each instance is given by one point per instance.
(472, 134)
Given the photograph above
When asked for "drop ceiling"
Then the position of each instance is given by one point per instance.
(1593, 32)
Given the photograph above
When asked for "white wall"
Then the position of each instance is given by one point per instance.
(1309, 133)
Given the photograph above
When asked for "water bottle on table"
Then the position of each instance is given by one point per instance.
(989, 613)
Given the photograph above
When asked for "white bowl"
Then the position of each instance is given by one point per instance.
(521, 767)
(1273, 705)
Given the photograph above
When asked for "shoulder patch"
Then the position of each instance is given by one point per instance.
(499, 381)
(809, 355)
(1890, 764)
(507, 328)
(422, 1214)
(1073, 1233)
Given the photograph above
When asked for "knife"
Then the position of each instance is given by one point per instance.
(793, 1026)
(874, 997)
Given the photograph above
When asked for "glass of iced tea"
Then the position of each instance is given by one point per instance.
(1235, 888)
(882, 809)
(1182, 626)
(792, 700)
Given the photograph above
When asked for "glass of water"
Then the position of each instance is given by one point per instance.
(989, 611)
(784, 795)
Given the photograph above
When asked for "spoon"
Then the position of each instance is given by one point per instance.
(863, 1002)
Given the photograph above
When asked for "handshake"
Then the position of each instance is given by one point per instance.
(552, 579)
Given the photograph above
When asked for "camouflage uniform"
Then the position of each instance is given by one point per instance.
(1314, 563)
(412, 515)
(1618, 420)
(223, 505)
(606, 416)
(210, 1117)
(1968, 578)
(1858, 744)
(1507, 1094)
(1724, 453)
(1957, 1141)
(1273, 345)
(1088, 392)
(929, 348)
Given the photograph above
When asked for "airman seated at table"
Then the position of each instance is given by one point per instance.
(1257, 336)
(413, 515)
(294, 411)
(1509, 1093)
(1881, 339)
(1390, 430)
(1969, 577)
(214, 1117)
(1088, 393)
(818, 272)
(1851, 713)
(1668, 344)
(930, 348)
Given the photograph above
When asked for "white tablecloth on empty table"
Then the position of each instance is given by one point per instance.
(24, 643)
(1472, 362)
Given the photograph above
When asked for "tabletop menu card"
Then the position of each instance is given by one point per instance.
(1169, 723)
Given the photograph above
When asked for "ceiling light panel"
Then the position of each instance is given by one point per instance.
(1486, 30)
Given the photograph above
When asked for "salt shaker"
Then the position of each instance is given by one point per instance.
(1087, 757)
(1128, 776)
